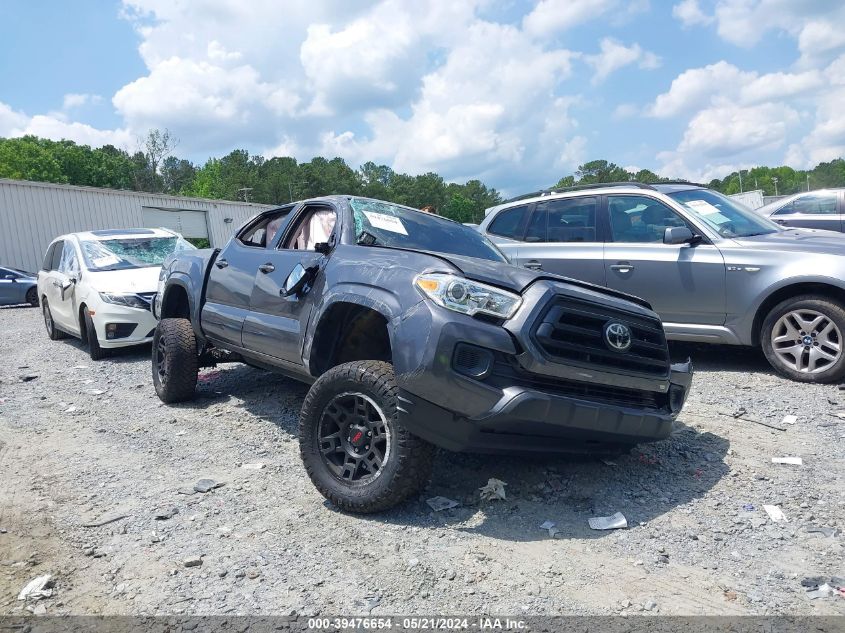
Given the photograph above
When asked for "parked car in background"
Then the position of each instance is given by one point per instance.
(415, 332)
(17, 286)
(713, 270)
(98, 285)
(820, 209)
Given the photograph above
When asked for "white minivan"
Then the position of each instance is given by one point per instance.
(98, 285)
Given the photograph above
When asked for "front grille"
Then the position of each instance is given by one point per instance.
(571, 331)
(507, 373)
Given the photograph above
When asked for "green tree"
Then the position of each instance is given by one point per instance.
(597, 171)
(25, 159)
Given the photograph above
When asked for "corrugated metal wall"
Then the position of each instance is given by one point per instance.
(33, 213)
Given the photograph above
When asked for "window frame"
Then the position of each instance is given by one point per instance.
(542, 207)
(608, 224)
(265, 218)
(788, 208)
(290, 229)
(519, 236)
(54, 265)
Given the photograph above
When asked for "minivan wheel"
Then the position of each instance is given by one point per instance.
(94, 350)
(175, 362)
(802, 338)
(355, 451)
(52, 331)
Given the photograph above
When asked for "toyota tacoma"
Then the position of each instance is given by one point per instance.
(416, 333)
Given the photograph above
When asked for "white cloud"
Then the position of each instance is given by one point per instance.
(551, 16)
(11, 122)
(76, 100)
(694, 88)
(615, 55)
(56, 126)
(690, 13)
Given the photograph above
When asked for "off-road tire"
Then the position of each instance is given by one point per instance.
(832, 310)
(406, 469)
(175, 361)
(32, 297)
(53, 332)
(94, 350)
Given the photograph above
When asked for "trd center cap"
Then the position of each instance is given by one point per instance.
(357, 436)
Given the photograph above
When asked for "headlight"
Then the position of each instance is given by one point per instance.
(470, 297)
(128, 300)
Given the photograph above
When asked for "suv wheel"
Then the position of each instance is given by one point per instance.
(355, 451)
(52, 331)
(90, 336)
(175, 362)
(803, 339)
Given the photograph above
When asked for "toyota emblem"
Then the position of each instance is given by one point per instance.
(617, 336)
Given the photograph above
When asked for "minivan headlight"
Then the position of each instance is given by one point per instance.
(128, 300)
(469, 297)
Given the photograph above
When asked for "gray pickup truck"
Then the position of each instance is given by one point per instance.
(416, 333)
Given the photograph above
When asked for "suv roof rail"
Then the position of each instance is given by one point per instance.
(682, 182)
(596, 185)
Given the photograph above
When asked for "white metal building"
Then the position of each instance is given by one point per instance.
(33, 213)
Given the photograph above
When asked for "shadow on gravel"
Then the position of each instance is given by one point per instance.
(709, 358)
(651, 480)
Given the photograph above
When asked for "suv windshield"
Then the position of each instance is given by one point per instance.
(728, 218)
(384, 224)
(130, 252)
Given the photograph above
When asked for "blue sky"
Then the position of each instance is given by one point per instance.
(514, 93)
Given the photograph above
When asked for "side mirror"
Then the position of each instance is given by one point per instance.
(10, 278)
(677, 235)
(66, 286)
(297, 280)
(322, 248)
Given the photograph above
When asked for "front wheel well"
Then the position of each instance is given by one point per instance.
(794, 290)
(348, 332)
(175, 304)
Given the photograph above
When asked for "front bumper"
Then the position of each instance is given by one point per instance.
(123, 318)
(531, 407)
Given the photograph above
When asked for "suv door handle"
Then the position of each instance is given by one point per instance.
(533, 264)
(221, 263)
(622, 268)
(267, 268)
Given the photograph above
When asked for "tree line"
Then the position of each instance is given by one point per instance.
(242, 176)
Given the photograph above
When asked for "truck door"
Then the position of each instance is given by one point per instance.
(276, 323)
(232, 276)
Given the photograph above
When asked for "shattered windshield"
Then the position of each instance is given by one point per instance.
(727, 217)
(385, 224)
(130, 252)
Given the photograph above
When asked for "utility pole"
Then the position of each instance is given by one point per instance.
(775, 180)
(245, 191)
(740, 180)
(808, 181)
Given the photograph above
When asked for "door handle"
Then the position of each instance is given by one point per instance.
(267, 268)
(533, 264)
(781, 221)
(622, 268)
(221, 263)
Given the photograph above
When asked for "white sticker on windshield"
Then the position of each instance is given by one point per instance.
(108, 260)
(386, 222)
(702, 206)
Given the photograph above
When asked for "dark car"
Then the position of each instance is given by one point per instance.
(416, 332)
(18, 286)
(809, 210)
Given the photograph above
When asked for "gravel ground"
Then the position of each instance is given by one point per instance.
(86, 442)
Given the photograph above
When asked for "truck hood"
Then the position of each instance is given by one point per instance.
(517, 279)
(813, 241)
(132, 280)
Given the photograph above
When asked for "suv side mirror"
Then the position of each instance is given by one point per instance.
(10, 277)
(297, 280)
(322, 247)
(677, 235)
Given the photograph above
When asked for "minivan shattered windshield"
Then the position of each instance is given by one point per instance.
(130, 252)
(384, 224)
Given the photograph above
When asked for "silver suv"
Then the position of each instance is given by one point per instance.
(713, 270)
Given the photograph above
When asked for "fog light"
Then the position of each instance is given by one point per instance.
(472, 361)
(119, 330)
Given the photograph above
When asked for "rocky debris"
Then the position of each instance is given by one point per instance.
(612, 522)
(206, 485)
(493, 490)
(104, 520)
(438, 504)
(37, 588)
(192, 561)
(28, 377)
(168, 512)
